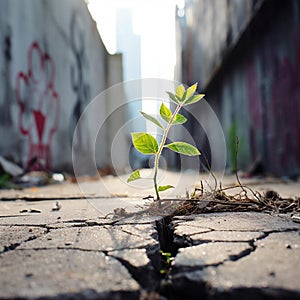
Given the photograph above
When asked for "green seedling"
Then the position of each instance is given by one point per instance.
(168, 260)
(147, 144)
(168, 257)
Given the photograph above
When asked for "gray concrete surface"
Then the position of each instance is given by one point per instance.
(81, 252)
(229, 252)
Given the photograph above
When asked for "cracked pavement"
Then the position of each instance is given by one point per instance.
(231, 252)
(77, 253)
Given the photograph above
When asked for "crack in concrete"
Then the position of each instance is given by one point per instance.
(14, 246)
(231, 257)
(83, 221)
(246, 252)
(77, 236)
(26, 225)
(184, 241)
(79, 248)
(148, 276)
(130, 233)
(171, 242)
(145, 276)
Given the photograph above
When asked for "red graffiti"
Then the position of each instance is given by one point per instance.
(39, 107)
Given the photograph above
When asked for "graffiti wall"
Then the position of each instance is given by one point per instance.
(39, 104)
(255, 87)
(52, 64)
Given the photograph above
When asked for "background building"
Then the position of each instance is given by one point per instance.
(246, 57)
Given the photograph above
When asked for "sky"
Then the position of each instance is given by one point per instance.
(153, 21)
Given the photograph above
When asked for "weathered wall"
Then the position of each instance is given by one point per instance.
(52, 64)
(211, 29)
(253, 83)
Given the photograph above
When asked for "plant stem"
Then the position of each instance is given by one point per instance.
(160, 148)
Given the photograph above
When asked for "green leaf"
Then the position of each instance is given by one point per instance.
(191, 90)
(144, 142)
(179, 119)
(162, 188)
(134, 176)
(183, 148)
(165, 113)
(152, 119)
(194, 99)
(173, 97)
(183, 97)
(180, 91)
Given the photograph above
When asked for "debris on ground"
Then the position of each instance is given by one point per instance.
(10, 168)
(219, 200)
(57, 206)
(13, 176)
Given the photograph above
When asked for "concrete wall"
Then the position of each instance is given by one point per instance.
(52, 64)
(253, 81)
(211, 29)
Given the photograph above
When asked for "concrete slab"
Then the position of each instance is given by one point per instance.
(243, 255)
(65, 273)
(136, 257)
(245, 221)
(98, 238)
(227, 236)
(274, 263)
(80, 251)
(76, 255)
(13, 236)
(209, 254)
(72, 210)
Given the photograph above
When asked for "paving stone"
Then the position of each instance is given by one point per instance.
(238, 221)
(274, 264)
(136, 257)
(266, 266)
(85, 255)
(209, 254)
(55, 273)
(189, 230)
(114, 238)
(12, 236)
(104, 238)
(56, 238)
(71, 210)
(228, 236)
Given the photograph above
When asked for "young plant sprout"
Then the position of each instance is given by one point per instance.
(147, 144)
